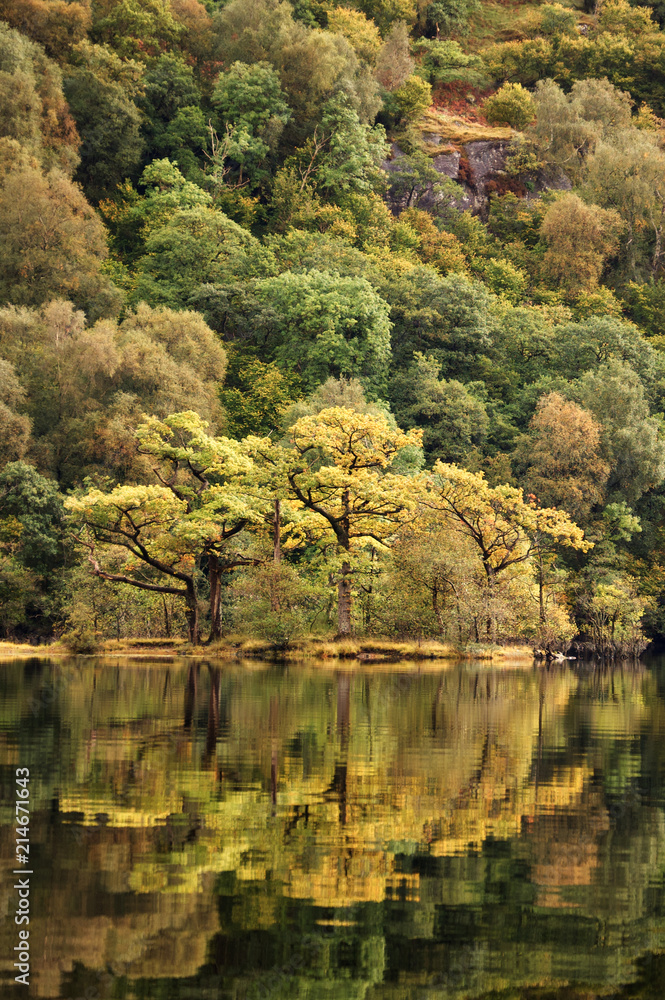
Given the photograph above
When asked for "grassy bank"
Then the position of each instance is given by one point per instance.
(366, 650)
(241, 647)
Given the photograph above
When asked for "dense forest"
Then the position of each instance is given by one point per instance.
(332, 318)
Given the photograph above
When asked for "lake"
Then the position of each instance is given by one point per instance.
(255, 831)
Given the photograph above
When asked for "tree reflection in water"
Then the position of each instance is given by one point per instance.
(262, 830)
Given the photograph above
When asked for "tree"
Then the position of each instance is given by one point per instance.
(633, 440)
(337, 468)
(558, 20)
(252, 107)
(169, 99)
(16, 426)
(359, 30)
(33, 109)
(625, 175)
(414, 180)
(446, 62)
(590, 343)
(56, 24)
(442, 250)
(313, 65)
(167, 530)
(196, 24)
(453, 420)
(31, 547)
(51, 241)
(451, 319)
(90, 387)
(448, 15)
(559, 459)
(321, 324)
(102, 90)
(504, 526)
(255, 394)
(132, 218)
(580, 239)
(138, 28)
(342, 157)
(394, 64)
(410, 100)
(251, 96)
(386, 12)
(37, 506)
(197, 246)
(511, 105)
(568, 127)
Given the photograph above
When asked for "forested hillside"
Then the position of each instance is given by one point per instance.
(323, 317)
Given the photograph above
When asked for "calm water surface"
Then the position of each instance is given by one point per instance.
(255, 832)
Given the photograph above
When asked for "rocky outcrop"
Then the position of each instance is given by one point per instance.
(477, 167)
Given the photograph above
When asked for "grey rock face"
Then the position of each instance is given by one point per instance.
(483, 161)
(448, 163)
(486, 160)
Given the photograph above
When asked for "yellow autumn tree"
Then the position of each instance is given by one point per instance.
(506, 528)
(163, 532)
(338, 467)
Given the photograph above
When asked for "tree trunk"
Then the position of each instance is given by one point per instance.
(276, 556)
(491, 621)
(541, 589)
(277, 533)
(215, 578)
(435, 607)
(344, 601)
(192, 614)
(167, 621)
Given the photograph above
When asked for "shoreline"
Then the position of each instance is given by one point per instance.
(239, 648)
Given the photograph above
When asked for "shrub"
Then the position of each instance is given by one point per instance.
(412, 99)
(511, 105)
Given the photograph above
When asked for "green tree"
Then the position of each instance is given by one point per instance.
(16, 426)
(170, 100)
(410, 100)
(37, 506)
(385, 13)
(511, 105)
(453, 420)
(343, 155)
(101, 90)
(138, 28)
(449, 15)
(321, 324)
(256, 394)
(633, 440)
(313, 65)
(252, 107)
(197, 246)
(132, 218)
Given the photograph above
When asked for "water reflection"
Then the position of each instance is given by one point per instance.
(262, 831)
